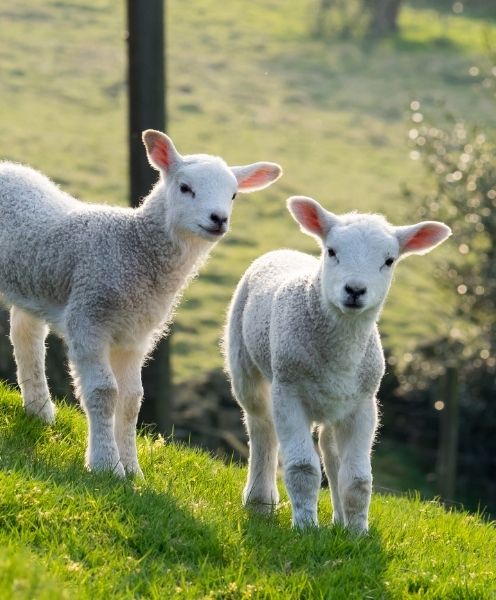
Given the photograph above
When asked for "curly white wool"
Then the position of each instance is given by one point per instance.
(107, 279)
(303, 349)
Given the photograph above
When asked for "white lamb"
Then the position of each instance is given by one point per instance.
(303, 349)
(106, 279)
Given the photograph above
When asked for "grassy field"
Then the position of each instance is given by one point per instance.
(181, 533)
(245, 81)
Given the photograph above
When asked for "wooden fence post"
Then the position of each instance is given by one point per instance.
(147, 97)
(448, 435)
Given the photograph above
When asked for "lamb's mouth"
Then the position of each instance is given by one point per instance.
(352, 307)
(213, 232)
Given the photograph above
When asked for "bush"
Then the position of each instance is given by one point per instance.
(460, 160)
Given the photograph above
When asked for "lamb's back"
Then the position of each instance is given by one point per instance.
(28, 194)
(280, 271)
(277, 267)
(47, 237)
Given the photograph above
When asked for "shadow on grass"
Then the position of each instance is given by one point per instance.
(331, 558)
(150, 529)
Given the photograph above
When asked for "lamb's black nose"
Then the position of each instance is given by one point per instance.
(218, 219)
(355, 290)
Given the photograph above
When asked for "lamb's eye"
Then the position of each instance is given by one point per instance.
(234, 196)
(331, 252)
(389, 262)
(185, 189)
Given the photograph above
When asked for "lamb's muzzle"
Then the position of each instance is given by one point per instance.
(352, 295)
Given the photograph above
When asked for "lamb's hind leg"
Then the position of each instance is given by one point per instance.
(28, 335)
(252, 393)
(127, 370)
(261, 487)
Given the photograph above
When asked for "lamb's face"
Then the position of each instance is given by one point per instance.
(200, 188)
(357, 265)
(359, 252)
(200, 197)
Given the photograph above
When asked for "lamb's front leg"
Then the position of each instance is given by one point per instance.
(127, 370)
(354, 437)
(97, 389)
(301, 463)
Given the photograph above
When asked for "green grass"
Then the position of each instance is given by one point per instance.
(181, 533)
(247, 82)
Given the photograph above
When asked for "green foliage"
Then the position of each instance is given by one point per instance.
(460, 165)
(182, 532)
(461, 161)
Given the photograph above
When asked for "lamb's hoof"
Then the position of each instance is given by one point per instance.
(134, 471)
(263, 506)
(304, 520)
(358, 530)
(43, 410)
(116, 469)
(119, 470)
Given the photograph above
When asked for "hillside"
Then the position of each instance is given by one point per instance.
(246, 81)
(182, 533)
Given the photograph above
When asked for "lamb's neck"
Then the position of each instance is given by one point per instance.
(152, 216)
(343, 337)
(174, 255)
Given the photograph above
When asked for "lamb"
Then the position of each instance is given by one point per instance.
(303, 349)
(106, 279)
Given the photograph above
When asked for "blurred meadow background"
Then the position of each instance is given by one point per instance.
(358, 121)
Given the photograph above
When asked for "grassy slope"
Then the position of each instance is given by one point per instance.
(246, 82)
(182, 533)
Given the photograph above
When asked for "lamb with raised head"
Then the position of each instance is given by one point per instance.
(107, 279)
(303, 349)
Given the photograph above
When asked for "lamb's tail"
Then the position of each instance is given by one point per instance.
(233, 332)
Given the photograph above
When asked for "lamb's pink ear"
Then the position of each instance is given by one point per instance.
(162, 155)
(422, 237)
(256, 176)
(312, 217)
